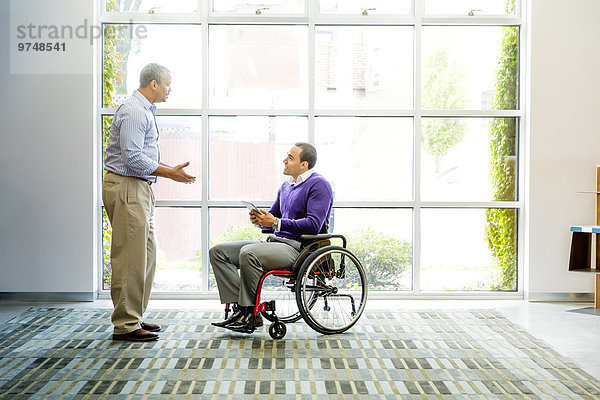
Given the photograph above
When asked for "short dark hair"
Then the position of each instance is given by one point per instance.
(308, 153)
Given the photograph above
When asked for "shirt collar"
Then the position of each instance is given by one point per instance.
(145, 102)
(301, 178)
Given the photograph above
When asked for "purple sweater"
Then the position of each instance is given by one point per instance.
(304, 208)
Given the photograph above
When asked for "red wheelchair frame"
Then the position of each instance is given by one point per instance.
(319, 244)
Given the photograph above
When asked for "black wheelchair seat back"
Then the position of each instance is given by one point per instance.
(307, 250)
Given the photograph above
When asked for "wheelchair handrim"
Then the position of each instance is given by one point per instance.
(311, 315)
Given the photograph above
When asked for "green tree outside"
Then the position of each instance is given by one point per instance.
(383, 257)
(501, 224)
(111, 76)
(442, 90)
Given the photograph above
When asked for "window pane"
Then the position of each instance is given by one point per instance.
(178, 251)
(381, 239)
(463, 7)
(363, 67)
(246, 155)
(358, 6)
(250, 7)
(470, 67)
(468, 249)
(158, 6)
(258, 67)
(179, 256)
(469, 159)
(359, 167)
(180, 141)
(229, 224)
(128, 48)
(106, 123)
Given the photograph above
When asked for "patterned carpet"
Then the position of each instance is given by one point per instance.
(472, 354)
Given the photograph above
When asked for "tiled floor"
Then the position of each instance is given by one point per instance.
(575, 335)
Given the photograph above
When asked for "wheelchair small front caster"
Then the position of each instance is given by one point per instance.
(277, 330)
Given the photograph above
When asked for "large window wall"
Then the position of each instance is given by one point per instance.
(414, 107)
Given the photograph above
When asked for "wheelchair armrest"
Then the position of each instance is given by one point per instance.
(322, 236)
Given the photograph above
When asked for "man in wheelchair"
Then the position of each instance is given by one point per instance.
(302, 207)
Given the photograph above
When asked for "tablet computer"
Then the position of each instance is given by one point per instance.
(250, 206)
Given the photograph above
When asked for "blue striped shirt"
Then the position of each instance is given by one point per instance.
(132, 148)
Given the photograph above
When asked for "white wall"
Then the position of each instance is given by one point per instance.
(564, 142)
(47, 198)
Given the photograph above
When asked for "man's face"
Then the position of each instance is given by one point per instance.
(292, 164)
(163, 89)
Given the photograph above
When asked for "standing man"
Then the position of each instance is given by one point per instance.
(132, 164)
(302, 207)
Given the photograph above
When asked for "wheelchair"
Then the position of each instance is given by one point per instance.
(326, 287)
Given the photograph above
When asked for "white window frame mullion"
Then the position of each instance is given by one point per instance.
(416, 248)
(257, 20)
(471, 21)
(204, 206)
(371, 20)
(349, 204)
(471, 113)
(523, 148)
(311, 12)
(145, 18)
(98, 69)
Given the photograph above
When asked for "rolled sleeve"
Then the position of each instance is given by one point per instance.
(133, 136)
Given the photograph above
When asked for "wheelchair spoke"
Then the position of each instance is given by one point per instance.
(341, 290)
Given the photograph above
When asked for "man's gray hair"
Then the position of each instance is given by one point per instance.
(152, 72)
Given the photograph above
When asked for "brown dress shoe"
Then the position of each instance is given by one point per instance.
(140, 335)
(150, 327)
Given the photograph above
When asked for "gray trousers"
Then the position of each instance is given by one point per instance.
(251, 258)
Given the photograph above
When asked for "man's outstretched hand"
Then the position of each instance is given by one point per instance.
(175, 173)
(179, 175)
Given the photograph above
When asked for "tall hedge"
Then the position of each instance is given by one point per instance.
(501, 224)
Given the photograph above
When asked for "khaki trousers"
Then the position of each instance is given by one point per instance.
(129, 203)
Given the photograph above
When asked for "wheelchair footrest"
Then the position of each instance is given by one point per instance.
(266, 306)
(270, 305)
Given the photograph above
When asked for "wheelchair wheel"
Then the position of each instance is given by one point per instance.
(331, 291)
(277, 330)
(281, 289)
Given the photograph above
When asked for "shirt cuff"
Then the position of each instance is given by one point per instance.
(153, 167)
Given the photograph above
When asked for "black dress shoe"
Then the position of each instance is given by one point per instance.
(140, 335)
(235, 317)
(247, 324)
